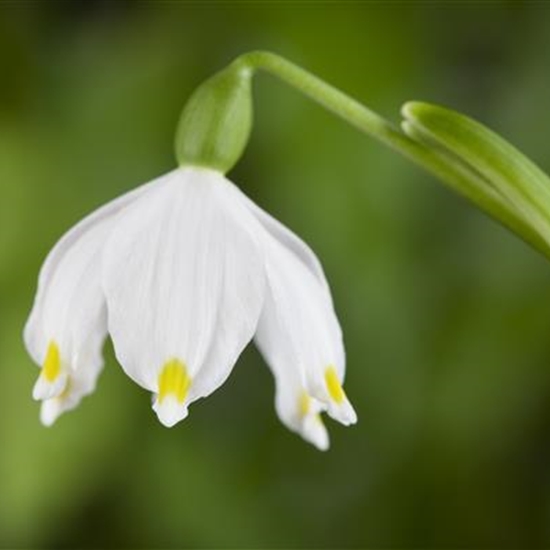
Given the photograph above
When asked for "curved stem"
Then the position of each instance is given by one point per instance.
(450, 169)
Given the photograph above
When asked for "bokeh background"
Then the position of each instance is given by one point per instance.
(446, 315)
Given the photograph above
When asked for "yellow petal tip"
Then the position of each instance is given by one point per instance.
(173, 380)
(304, 404)
(52, 363)
(334, 387)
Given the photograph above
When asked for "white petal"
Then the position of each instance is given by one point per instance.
(69, 310)
(183, 278)
(298, 250)
(299, 335)
(288, 240)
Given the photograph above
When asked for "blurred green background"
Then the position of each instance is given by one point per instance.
(446, 315)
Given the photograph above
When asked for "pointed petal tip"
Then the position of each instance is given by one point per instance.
(50, 412)
(313, 430)
(170, 411)
(343, 412)
(44, 389)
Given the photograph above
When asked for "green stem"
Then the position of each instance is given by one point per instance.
(446, 167)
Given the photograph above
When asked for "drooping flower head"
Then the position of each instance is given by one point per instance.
(182, 273)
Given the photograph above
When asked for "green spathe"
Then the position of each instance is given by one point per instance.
(522, 187)
(216, 121)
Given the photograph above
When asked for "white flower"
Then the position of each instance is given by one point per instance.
(182, 273)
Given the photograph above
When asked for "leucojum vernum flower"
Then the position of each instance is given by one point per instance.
(183, 272)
